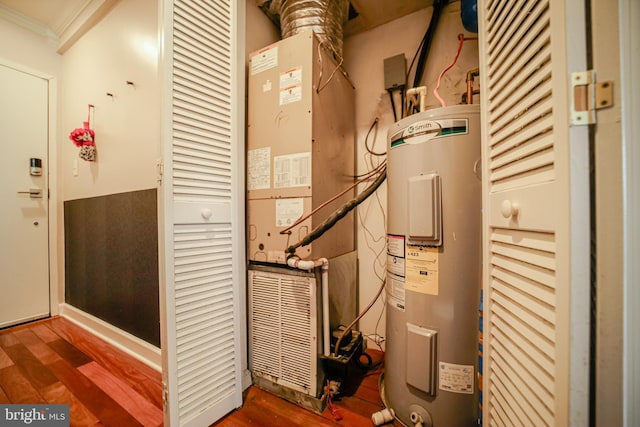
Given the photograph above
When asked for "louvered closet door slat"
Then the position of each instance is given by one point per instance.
(528, 109)
(528, 145)
(202, 200)
(508, 14)
(522, 86)
(519, 33)
(532, 356)
(530, 343)
(495, 9)
(529, 216)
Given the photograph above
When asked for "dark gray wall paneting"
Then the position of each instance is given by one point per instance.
(111, 260)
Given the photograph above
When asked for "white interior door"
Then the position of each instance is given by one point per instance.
(24, 235)
(536, 215)
(202, 216)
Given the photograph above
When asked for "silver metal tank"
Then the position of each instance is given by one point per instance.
(434, 267)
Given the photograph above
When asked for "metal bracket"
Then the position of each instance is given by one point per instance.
(588, 96)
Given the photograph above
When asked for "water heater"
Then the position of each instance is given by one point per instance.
(434, 267)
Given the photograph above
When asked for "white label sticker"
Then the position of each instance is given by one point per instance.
(395, 245)
(288, 211)
(293, 170)
(264, 59)
(456, 378)
(292, 77)
(395, 265)
(290, 94)
(258, 168)
(395, 291)
(421, 269)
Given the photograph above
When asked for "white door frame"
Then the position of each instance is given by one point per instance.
(629, 12)
(55, 293)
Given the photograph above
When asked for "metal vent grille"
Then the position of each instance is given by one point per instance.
(204, 316)
(202, 101)
(283, 329)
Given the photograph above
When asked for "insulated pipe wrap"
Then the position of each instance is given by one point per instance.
(324, 17)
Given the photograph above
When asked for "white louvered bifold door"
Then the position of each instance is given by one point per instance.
(202, 195)
(536, 215)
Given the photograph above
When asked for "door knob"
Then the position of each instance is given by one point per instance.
(34, 193)
(509, 209)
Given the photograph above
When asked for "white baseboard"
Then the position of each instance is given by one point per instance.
(134, 346)
(247, 381)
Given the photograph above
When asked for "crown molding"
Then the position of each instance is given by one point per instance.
(92, 12)
(25, 22)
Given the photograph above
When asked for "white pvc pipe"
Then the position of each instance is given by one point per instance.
(421, 94)
(300, 264)
(325, 308)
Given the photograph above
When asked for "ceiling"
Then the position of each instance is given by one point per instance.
(372, 13)
(57, 15)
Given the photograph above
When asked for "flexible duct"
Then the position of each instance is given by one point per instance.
(324, 17)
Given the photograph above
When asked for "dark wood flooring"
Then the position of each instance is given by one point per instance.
(267, 410)
(55, 361)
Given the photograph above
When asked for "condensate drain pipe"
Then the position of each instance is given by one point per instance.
(323, 263)
(420, 94)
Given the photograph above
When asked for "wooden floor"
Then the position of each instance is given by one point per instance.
(55, 361)
(266, 410)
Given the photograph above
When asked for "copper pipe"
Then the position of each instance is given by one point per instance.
(470, 76)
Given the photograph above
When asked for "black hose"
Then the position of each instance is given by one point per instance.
(339, 214)
(438, 6)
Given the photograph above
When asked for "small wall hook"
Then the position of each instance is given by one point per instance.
(130, 83)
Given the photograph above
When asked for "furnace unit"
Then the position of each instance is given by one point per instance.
(300, 148)
(300, 156)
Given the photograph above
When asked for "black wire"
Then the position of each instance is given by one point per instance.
(438, 6)
(415, 55)
(366, 138)
(339, 214)
(393, 105)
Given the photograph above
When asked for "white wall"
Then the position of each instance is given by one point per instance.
(121, 47)
(364, 55)
(261, 31)
(25, 47)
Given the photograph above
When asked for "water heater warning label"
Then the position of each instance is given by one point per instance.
(395, 291)
(456, 378)
(421, 267)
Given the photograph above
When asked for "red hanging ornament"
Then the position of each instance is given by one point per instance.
(84, 138)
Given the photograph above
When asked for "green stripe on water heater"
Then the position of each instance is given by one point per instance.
(397, 142)
(452, 130)
(448, 127)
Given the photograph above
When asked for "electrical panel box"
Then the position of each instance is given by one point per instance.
(300, 154)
